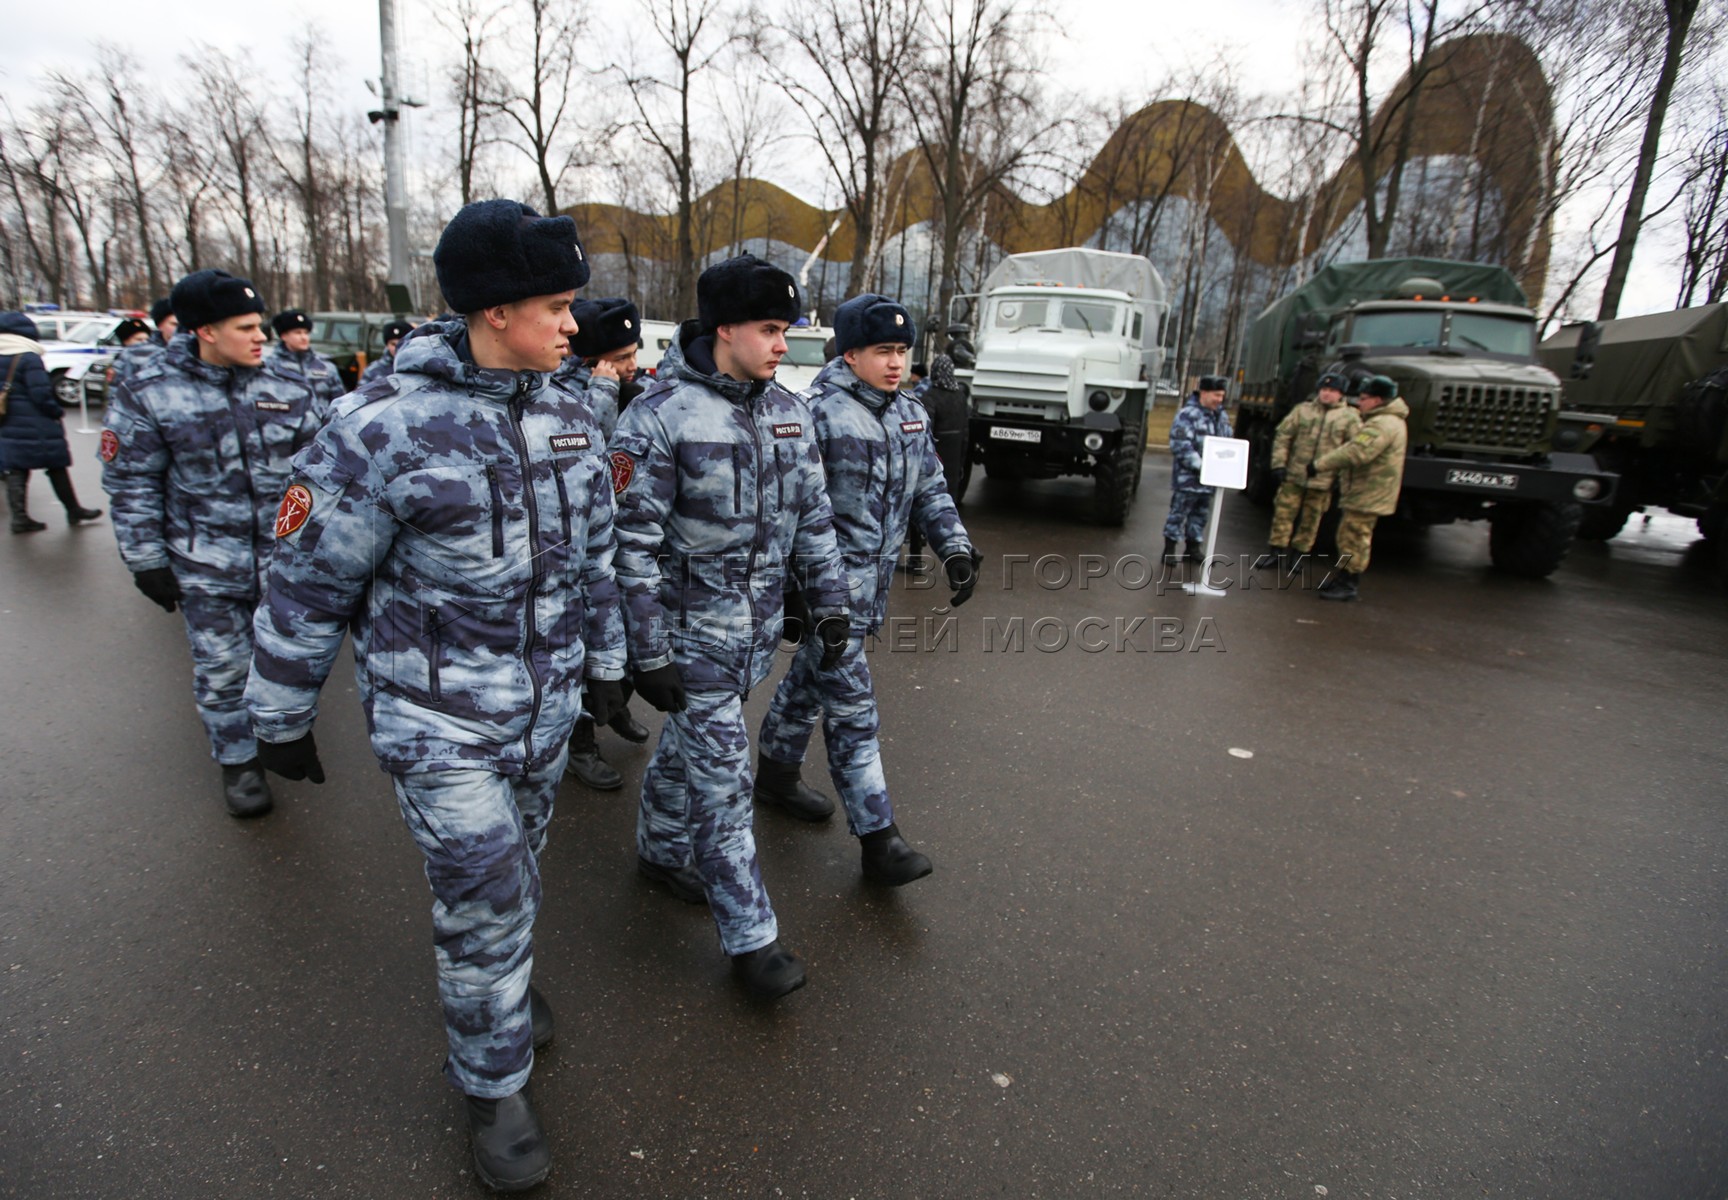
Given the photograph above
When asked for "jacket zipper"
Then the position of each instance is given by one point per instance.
(756, 544)
(434, 646)
(521, 444)
(497, 510)
(563, 498)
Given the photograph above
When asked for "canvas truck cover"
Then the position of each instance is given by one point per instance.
(1076, 267)
(1271, 339)
(1642, 363)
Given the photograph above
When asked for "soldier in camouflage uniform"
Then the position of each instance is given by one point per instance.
(1371, 470)
(602, 369)
(126, 363)
(1311, 429)
(196, 455)
(456, 516)
(1201, 417)
(394, 331)
(293, 357)
(720, 496)
(882, 471)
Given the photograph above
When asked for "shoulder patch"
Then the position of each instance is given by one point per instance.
(911, 427)
(788, 429)
(110, 448)
(296, 506)
(623, 470)
(562, 442)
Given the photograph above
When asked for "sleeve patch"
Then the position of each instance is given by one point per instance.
(110, 448)
(623, 470)
(295, 508)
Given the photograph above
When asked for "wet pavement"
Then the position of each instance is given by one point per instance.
(1257, 897)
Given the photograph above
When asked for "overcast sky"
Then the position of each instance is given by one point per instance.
(1128, 48)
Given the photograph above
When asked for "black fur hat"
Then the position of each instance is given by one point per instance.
(742, 289)
(870, 320)
(605, 325)
(1381, 386)
(397, 329)
(130, 327)
(208, 296)
(162, 308)
(1213, 383)
(500, 251)
(289, 318)
(1334, 380)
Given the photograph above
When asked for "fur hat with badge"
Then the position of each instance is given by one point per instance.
(1380, 387)
(870, 320)
(743, 289)
(500, 251)
(208, 296)
(397, 329)
(604, 325)
(289, 318)
(1213, 383)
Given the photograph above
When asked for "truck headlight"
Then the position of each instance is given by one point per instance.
(1098, 401)
(1586, 489)
(1093, 441)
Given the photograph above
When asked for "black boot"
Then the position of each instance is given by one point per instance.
(888, 860)
(1197, 554)
(1341, 586)
(1274, 557)
(682, 882)
(1171, 558)
(585, 761)
(540, 1016)
(61, 481)
(628, 727)
(245, 790)
(778, 785)
(511, 1153)
(17, 497)
(768, 973)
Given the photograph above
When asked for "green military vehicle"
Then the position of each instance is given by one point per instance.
(1486, 436)
(1658, 386)
(350, 340)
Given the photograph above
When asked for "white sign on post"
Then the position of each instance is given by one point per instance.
(1224, 462)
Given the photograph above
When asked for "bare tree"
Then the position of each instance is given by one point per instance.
(473, 84)
(303, 163)
(1705, 262)
(240, 138)
(535, 101)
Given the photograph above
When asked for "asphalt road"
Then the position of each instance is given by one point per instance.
(1455, 929)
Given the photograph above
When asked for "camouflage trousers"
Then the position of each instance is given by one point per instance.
(1355, 539)
(219, 631)
(481, 834)
(845, 700)
(1298, 508)
(696, 809)
(1188, 513)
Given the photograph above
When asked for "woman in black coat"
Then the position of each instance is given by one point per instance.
(32, 437)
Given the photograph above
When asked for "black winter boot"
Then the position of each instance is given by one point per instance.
(540, 1017)
(17, 498)
(1341, 586)
(511, 1153)
(778, 785)
(1274, 557)
(245, 790)
(585, 761)
(1171, 559)
(1197, 554)
(76, 514)
(683, 882)
(888, 860)
(768, 973)
(628, 727)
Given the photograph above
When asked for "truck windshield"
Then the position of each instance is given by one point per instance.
(1398, 328)
(804, 352)
(1020, 314)
(1089, 317)
(1493, 334)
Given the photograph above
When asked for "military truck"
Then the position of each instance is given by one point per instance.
(1460, 342)
(1066, 341)
(1658, 386)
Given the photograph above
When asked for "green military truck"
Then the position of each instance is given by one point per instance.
(1486, 438)
(1658, 386)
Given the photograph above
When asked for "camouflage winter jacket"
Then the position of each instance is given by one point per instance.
(126, 363)
(601, 394)
(881, 466)
(1371, 464)
(459, 521)
(1308, 431)
(1193, 424)
(720, 496)
(318, 372)
(196, 458)
(378, 368)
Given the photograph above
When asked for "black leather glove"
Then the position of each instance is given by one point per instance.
(1278, 474)
(159, 584)
(962, 575)
(797, 624)
(834, 632)
(297, 759)
(662, 687)
(604, 699)
(1311, 471)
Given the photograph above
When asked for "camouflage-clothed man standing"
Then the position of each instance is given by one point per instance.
(720, 497)
(196, 455)
(1313, 428)
(1371, 470)
(456, 516)
(882, 471)
(294, 357)
(126, 363)
(1201, 417)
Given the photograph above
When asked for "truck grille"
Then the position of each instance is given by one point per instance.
(1489, 417)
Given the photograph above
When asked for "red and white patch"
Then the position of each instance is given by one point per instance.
(911, 427)
(110, 449)
(790, 429)
(296, 507)
(623, 470)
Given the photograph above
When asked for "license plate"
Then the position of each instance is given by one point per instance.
(1483, 479)
(1006, 433)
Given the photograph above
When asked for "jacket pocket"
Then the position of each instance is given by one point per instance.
(434, 651)
(497, 510)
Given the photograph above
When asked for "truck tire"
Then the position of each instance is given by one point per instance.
(1115, 479)
(1602, 521)
(1531, 540)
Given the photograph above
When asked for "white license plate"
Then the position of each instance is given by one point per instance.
(1006, 433)
(1485, 479)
